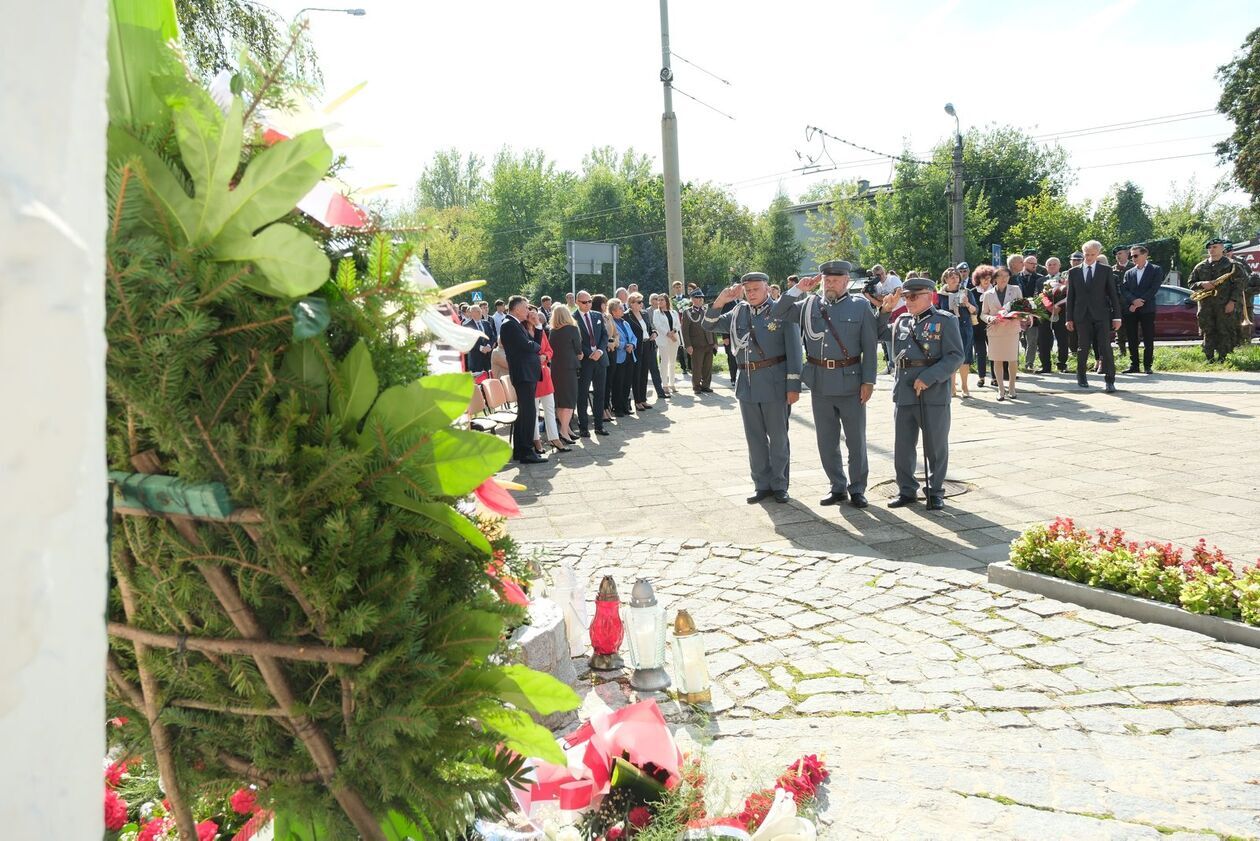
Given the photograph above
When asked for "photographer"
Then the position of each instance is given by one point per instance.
(877, 292)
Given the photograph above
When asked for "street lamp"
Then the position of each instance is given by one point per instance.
(958, 246)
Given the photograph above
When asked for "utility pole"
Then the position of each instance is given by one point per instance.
(669, 162)
(958, 239)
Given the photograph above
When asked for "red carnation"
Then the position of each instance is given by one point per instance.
(154, 829)
(639, 817)
(113, 774)
(115, 811)
(244, 801)
(118, 721)
(614, 834)
(207, 831)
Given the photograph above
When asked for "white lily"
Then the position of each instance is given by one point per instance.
(782, 823)
(433, 321)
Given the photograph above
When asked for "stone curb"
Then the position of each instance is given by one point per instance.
(1123, 604)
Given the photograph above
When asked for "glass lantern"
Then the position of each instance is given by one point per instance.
(646, 626)
(691, 669)
(607, 630)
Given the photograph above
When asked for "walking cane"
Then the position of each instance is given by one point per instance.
(927, 477)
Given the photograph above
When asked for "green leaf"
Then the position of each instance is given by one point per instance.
(527, 689)
(398, 827)
(428, 404)
(210, 147)
(305, 828)
(444, 521)
(139, 32)
(277, 179)
(291, 263)
(359, 386)
(303, 362)
(456, 461)
(310, 318)
(521, 734)
(167, 191)
(466, 635)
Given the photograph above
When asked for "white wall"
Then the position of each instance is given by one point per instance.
(52, 415)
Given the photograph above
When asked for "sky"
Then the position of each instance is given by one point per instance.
(566, 76)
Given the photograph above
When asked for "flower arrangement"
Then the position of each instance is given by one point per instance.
(1202, 580)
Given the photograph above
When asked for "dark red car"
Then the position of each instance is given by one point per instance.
(1176, 317)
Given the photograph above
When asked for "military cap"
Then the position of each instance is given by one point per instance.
(755, 277)
(1120, 248)
(964, 266)
(697, 293)
(1077, 255)
(1229, 246)
(1214, 241)
(919, 284)
(836, 267)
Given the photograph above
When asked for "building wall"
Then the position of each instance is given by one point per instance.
(52, 442)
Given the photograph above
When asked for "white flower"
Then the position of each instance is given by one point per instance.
(782, 824)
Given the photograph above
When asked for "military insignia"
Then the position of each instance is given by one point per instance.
(772, 326)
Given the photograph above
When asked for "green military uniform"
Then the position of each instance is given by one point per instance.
(699, 343)
(928, 348)
(1218, 328)
(1242, 304)
(840, 342)
(769, 354)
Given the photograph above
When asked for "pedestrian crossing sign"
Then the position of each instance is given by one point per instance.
(476, 297)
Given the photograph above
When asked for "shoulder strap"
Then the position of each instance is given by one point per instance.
(822, 308)
(752, 334)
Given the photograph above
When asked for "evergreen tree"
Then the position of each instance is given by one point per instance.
(1240, 101)
(778, 253)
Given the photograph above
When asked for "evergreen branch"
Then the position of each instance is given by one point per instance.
(246, 269)
(114, 277)
(243, 768)
(247, 647)
(191, 704)
(256, 325)
(214, 453)
(249, 369)
(118, 203)
(273, 75)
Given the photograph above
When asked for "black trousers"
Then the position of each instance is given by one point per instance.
(526, 419)
(1063, 339)
(980, 341)
(623, 381)
(1132, 320)
(732, 366)
(592, 373)
(647, 366)
(1096, 335)
(684, 360)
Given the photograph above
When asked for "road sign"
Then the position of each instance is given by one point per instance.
(476, 297)
(997, 254)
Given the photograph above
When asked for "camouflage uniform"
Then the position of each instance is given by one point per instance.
(1218, 328)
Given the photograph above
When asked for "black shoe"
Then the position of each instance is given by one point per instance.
(602, 431)
(781, 496)
(935, 502)
(901, 501)
(585, 433)
(1043, 370)
(836, 498)
(531, 458)
(1111, 388)
(1148, 371)
(758, 496)
(980, 384)
(1082, 382)
(1062, 369)
(1133, 369)
(858, 500)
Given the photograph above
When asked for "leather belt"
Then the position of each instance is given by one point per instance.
(762, 363)
(916, 363)
(832, 364)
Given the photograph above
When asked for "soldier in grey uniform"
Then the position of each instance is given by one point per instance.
(769, 355)
(840, 339)
(927, 349)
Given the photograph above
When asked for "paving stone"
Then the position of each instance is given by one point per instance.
(1051, 655)
(1046, 607)
(1008, 699)
(1052, 719)
(1014, 639)
(744, 682)
(769, 702)
(819, 685)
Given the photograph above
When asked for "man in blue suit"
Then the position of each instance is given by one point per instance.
(1137, 292)
(594, 335)
(525, 368)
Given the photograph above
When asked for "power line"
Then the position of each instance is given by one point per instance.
(702, 102)
(1150, 122)
(810, 131)
(701, 69)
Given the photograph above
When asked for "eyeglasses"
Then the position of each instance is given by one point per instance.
(910, 296)
(584, 300)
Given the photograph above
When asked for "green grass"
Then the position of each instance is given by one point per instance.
(1190, 359)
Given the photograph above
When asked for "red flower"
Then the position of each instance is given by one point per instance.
(497, 499)
(118, 721)
(113, 774)
(207, 831)
(244, 801)
(252, 826)
(613, 834)
(154, 829)
(639, 817)
(115, 811)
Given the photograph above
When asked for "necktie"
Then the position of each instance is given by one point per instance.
(1089, 274)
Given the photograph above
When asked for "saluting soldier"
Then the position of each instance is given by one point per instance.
(769, 355)
(927, 350)
(1218, 316)
(840, 338)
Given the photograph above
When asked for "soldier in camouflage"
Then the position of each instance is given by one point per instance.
(1218, 313)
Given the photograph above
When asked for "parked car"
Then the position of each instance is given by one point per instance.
(1176, 317)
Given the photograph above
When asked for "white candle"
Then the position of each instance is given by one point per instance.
(645, 645)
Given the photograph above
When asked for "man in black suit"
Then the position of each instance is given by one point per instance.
(594, 336)
(1092, 311)
(525, 368)
(479, 356)
(1138, 290)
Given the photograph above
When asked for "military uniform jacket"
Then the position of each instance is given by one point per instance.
(1207, 270)
(936, 332)
(855, 325)
(695, 335)
(756, 336)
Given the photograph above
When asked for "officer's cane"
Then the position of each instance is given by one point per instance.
(927, 478)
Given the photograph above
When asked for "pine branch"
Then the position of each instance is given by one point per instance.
(248, 647)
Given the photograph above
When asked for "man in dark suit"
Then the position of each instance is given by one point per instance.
(479, 356)
(525, 369)
(1092, 311)
(594, 370)
(1137, 291)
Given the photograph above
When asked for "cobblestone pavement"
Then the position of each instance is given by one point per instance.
(948, 707)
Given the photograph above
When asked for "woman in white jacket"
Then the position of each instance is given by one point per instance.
(668, 334)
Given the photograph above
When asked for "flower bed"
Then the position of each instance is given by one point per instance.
(1201, 581)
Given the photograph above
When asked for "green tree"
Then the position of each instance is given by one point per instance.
(522, 198)
(835, 227)
(1051, 224)
(1122, 217)
(451, 180)
(214, 30)
(778, 253)
(1240, 101)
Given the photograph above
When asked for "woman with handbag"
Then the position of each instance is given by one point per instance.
(1003, 329)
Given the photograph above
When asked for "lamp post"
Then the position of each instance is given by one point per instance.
(647, 639)
(958, 241)
(691, 669)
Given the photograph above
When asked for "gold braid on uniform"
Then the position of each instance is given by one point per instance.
(807, 323)
(1209, 291)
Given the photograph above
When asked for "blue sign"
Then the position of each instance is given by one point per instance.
(997, 254)
(476, 297)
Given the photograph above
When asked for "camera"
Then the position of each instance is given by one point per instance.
(871, 287)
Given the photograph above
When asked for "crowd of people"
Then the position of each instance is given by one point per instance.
(588, 362)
